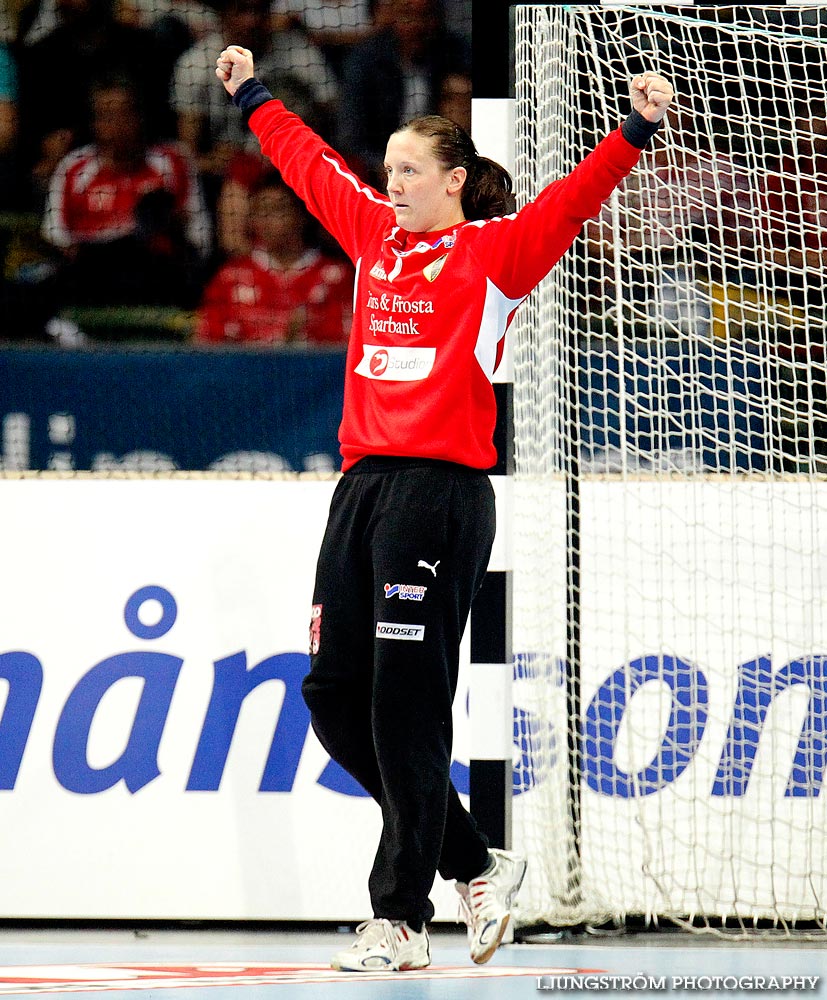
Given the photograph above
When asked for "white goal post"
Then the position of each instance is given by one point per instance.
(670, 535)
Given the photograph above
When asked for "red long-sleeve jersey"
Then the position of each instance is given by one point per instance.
(431, 309)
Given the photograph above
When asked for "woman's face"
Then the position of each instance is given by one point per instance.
(425, 196)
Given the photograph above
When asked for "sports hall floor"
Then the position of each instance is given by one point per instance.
(259, 964)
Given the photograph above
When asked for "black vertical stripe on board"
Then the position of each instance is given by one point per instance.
(504, 429)
(491, 780)
(491, 52)
(492, 811)
(489, 625)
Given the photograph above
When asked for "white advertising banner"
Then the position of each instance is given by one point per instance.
(156, 760)
(155, 756)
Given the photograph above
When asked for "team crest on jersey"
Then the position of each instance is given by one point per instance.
(431, 272)
(377, 271)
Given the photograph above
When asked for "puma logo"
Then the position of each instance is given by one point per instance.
(425, 565)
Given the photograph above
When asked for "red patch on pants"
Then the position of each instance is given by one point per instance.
(315, 629)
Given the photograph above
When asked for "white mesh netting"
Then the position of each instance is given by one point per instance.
(670, 497)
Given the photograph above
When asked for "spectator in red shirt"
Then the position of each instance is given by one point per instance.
(77, 44)
(797, 200)
(797, 197)
(284, 289)
(129, 216)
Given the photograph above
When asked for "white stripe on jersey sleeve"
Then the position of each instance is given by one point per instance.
(352, 179)
(495, 312)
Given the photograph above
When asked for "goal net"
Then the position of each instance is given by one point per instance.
(670, 500)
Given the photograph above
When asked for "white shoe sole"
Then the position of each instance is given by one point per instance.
(495, 942)
(343, 966)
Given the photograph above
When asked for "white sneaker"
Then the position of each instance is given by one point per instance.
(486, 902)
(384, 946)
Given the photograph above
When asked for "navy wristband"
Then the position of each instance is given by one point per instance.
(637, 130)
(250, 96)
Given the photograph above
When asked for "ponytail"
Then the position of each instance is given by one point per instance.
(488, 191)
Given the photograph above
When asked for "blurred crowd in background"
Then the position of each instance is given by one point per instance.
(133, 199)
(135, 207)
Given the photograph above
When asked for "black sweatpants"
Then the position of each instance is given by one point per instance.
(405, 550)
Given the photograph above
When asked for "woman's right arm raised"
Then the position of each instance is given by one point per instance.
(347, 207)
